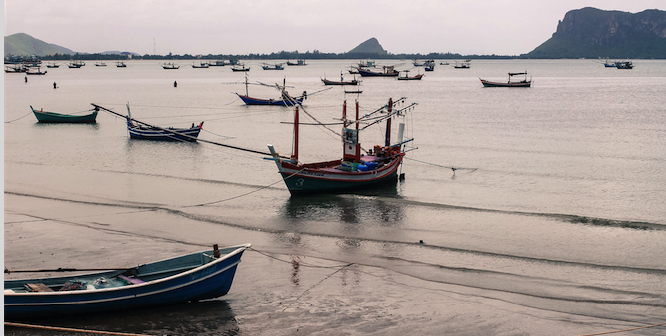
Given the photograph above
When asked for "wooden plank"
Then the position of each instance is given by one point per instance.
(39, 287)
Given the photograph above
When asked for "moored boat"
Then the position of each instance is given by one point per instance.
(299, 62)
(170, 66)
(52, 117)
(355, 171)
(191, 277)
(522, 83)
(341, 82)
(624, 65)
(285, 98)
(76, 64)
(202, 65)
(387, 71)
(240, 68)
(121, 64)
(53, 65)
(15, 68)
(407, 77)
(277, 66)
(38, 71)
(100, 64)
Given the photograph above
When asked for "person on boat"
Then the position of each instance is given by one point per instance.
(26, 79)
(54, 85)
(175, 84)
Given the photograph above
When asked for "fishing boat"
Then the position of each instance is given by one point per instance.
(121, 64)
(462, 65)
(285, 98)
(37, 71)
(52, 117)
(76, 64)
(170, 66)
(202, 65)
(241, 68)
(355, 171)
(522, 83)
(407, 77)
(140, 130)
(624, 65)
(15, 68)
(277, 66)
(299, 62)
(100, 64)
(341, 82)
(191, 277)
(387, 71)
(53, 65)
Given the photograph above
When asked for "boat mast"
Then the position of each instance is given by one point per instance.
(294, 156)
(352, 148)
(388, 123)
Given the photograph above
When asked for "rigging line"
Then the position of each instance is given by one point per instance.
(630, 329)
(289, 262)
(318, 283)
(449, 167)
(7, 122)
(247, 193)
(185, 135)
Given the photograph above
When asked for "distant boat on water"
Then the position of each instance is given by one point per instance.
(299, 62)
(285, 98)
(15, 68)
(277, 66)
(76, 64)
(52, 117)
(100, 64)
(202, 65)
(624, 65)
(170, 66)
(33, 71)
(53, 65)
(240, 68)
(387, 71)
(523, 83)
(121, 64)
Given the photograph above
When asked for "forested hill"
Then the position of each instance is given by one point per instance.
(594, 33)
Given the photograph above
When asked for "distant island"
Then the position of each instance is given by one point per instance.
(583, 33)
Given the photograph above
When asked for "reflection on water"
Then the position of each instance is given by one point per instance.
(214, 317)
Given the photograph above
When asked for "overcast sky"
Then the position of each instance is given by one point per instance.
(502, 27)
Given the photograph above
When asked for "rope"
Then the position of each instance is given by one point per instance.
(630, 329)
(23, 325)
(434, 164)
(29, 113)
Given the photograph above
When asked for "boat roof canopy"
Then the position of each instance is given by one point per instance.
(517, 73)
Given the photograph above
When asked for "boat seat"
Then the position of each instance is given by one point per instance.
(133, 281)
(38, 287)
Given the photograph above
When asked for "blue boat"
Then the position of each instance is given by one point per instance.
(192, 277)
(285, 98)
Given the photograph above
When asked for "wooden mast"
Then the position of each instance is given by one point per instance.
(388, 123)
(294, 156)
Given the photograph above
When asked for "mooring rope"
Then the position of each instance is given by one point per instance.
(35, 326)
(630, 329)
(29, 113)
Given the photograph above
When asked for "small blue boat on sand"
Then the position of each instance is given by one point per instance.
(191, 277)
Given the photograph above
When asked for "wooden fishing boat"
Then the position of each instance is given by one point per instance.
(76, 64)
(387, 71)
(170, 66)
(121, 64)
(285, 98)
(38, 71)
(624, 65)
(52, 117)
(523, 83)
(277, 66)
(202, 65)
(100, 64)
(341, 82)
(16, 68)
(407, 77)
(299, 62)
(53, 65)
(241, 68)
(191, 277)
(463, 65)
(378, 166)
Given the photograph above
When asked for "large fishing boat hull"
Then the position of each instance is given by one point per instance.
(305, 179)
(366, 73)
(191, 277)
(257, 101)
(52, 117)
(505, 84)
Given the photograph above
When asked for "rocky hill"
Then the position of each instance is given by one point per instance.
(370, 47)
(594, 33)
(24, 44)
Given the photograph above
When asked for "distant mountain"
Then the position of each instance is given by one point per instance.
(370, 46)
(24, 44)
(594, 33)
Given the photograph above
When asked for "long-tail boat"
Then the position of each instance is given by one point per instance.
(52, 117)
(191, 277)
(522, 83)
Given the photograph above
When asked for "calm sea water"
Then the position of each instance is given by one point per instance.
(557, 199)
